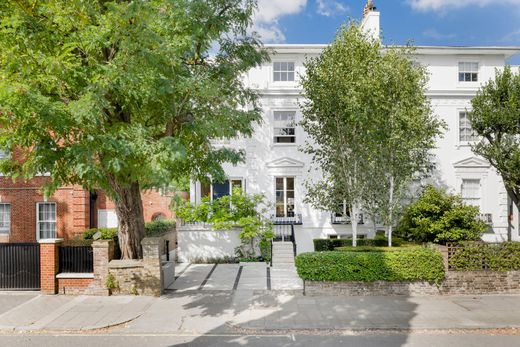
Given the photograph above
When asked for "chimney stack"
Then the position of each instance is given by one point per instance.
(371, 20)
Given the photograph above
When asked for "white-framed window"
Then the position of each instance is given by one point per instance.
(284, 126)
(5, 218)
(468, 72)
(217, 190)
(107, 219)
(46, 220)
(285, 197)
(470, 191)
(283, 71)
(466, 132)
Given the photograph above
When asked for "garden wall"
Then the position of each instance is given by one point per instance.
(456, 283)
(198, 241)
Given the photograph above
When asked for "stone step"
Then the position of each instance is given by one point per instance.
(283, 260)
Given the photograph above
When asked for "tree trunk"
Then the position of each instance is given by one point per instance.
(354, 220)
(514, 199)
(129, 210)
(390, 211)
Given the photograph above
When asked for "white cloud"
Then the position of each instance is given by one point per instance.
(330, 8)
(434, 34)
(267, 16)
(439, 5)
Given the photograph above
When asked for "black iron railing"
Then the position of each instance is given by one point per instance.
(76, 259)
(295, 220)
(340, 219)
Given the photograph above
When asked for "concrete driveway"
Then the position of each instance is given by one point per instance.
(235, 277)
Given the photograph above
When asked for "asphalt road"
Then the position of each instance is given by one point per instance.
(370, 340)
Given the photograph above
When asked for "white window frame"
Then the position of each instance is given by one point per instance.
(468, 67)
(38, 221)
(230, 179)
(478, 195)
(6, 230)
(282, 71)
(459, 134)
(285, 204)
(274, 127)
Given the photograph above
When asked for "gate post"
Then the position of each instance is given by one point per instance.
(49, 265)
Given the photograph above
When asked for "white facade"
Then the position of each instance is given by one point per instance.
(458, 168)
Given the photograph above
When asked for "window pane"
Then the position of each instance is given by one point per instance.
(290, 183)
(461, 77)
(279, 183)
(276, 66)
(284, 76)
(277, 77)
(290, 66)
(290, 76)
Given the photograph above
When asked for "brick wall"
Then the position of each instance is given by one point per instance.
(74, 286)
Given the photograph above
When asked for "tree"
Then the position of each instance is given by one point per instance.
(370, 125)
(124, 95)
(496, 118)
(406, 131)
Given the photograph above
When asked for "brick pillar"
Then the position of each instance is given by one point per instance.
(152, 264)
(80, 210)
(103, 252)
(49, 263)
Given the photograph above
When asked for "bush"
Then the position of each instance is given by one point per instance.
(375, 249)
(106, 234)
(415, 264)
(323, 245)
(158, 227)
(440, 218)
(473, 256)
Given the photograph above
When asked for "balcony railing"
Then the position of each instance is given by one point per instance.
(335, 219)
(486, 218)
(295, 220)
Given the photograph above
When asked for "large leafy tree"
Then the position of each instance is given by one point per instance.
(496, 118)
(124, 95)
(370, 125)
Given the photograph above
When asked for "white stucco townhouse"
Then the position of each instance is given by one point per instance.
(276, 167)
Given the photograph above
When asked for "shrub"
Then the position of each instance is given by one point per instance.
(323, 245)
(158, 227)
(440, 218)
(415, 264)
(375, 249)
(473, 256)
(106, 233)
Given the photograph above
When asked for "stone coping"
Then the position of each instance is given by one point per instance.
(125, 263)
(50, 241)
(75, 275)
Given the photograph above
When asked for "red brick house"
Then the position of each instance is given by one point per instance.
(26, 216)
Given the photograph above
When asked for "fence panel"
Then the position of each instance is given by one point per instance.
(19, 266)
(76, 259)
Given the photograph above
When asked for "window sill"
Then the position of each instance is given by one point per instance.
(284, 145)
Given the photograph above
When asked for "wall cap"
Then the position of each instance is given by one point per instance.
(50, 241)
(151, 241)
(125, 263)
(74, 275)
(102, 243)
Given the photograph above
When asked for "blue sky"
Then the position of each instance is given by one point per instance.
(425, 22)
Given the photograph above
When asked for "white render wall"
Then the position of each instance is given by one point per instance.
(200, 243)
(265, 160)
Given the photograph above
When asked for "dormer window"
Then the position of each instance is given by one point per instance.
(283, 71)
(468, 72)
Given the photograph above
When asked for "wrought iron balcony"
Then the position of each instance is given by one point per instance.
(295, 220)
(486, 218)
(339, 219)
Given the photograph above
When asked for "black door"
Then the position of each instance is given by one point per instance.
(19, 266)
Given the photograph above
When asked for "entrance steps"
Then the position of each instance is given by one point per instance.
(283, 253)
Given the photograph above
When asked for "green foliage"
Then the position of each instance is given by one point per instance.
(122, 95)
(369, 123)
(106, 233)
(495, 117)
(375, 249)
(415, 264)
(240, 210)
(441, 218)
(322, 245)
(111, 282)
(474, 256)
(159, 227)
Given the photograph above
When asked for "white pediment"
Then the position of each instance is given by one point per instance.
(285, 163)
(472, 162)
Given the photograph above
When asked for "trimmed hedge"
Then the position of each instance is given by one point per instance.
(483, 256)
(106, 233)
(375, 249)
(414, 264)
(323, 245)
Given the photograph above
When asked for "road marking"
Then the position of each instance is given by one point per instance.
(207, 277)
(237, 279)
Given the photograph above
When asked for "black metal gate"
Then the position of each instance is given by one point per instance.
(19, 266)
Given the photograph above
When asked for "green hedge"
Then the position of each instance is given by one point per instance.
(375, 249)
(482, 256)
(150, 229)
(414, 264)
(106, 233)
(323, 245)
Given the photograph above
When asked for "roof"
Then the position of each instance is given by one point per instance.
(506, 51)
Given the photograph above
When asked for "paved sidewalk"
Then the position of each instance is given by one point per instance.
(59, 312)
